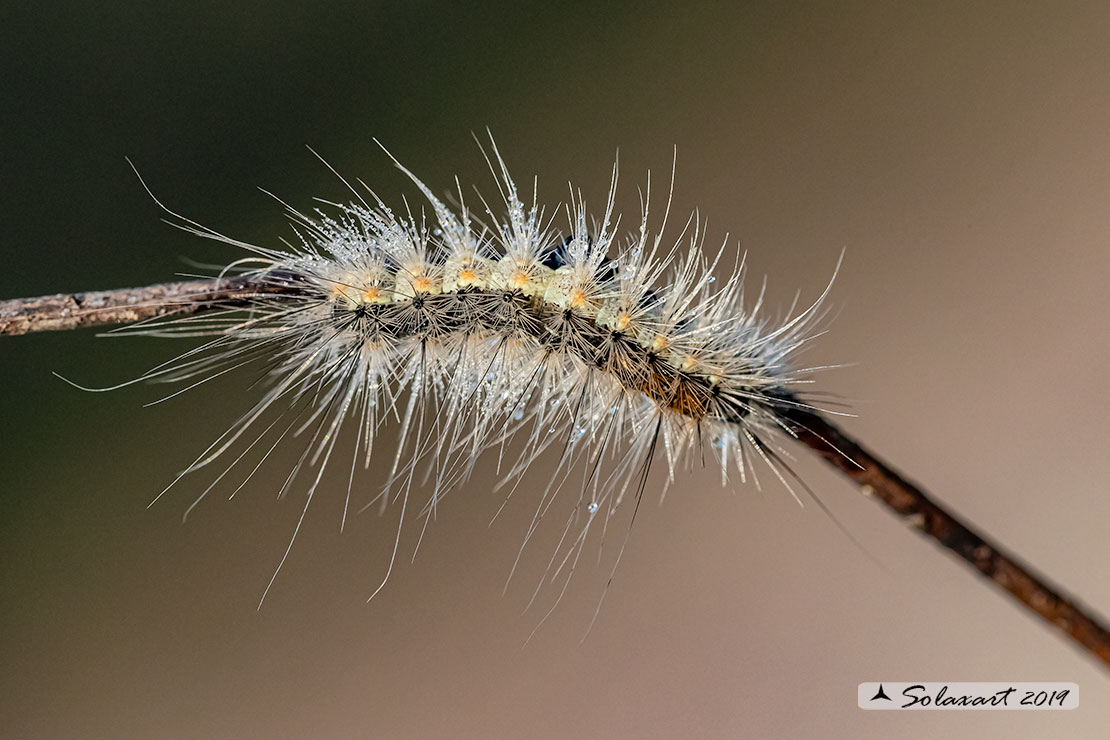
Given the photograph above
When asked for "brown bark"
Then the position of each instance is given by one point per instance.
(916, 508)
(129, 305)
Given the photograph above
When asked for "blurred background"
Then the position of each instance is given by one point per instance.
(957, 152)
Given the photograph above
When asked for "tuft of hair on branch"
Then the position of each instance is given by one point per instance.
(514, 330)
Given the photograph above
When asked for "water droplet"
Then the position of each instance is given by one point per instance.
(592, 508)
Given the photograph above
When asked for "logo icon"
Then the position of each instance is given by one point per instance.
(880, 694)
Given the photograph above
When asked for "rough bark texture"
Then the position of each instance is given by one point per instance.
(877, 479)
(129, 305)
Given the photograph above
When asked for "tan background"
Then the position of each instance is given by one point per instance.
(959, 154)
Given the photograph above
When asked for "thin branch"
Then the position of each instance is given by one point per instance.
(871, 474)
(878, 480)
(130, 305)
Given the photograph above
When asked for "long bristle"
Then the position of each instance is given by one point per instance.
(511, 336)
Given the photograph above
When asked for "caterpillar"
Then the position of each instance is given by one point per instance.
(520, 332)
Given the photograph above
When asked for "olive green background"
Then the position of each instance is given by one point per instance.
(959, 153)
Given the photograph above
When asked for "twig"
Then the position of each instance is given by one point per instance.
(129, 305)
(916, 508)
(872, 475)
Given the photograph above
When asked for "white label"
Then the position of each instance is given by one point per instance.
(967, 695)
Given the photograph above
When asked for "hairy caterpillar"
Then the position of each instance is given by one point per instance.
(508, 333)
